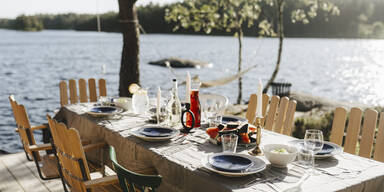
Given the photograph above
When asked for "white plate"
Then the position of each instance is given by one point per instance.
(338, 149)
(118, 110)
(137, 133)
(258, 165)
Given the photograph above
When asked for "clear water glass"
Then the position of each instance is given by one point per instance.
(105, 101)
(313, 142)
(140, 102)
(229, 142)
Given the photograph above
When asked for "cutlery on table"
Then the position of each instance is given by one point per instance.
(297, 186)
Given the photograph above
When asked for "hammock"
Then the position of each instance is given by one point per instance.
(221, 81)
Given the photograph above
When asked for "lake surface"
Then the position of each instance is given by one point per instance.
(33, 63)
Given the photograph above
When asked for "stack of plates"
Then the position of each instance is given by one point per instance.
(155, 133)
(104, 111)
(233, 165)
(329, 149)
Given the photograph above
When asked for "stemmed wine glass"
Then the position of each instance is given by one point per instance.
(313, 142)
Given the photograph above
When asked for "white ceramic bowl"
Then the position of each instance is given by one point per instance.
(277, 159)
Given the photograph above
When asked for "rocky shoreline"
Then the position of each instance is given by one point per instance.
(307, 105)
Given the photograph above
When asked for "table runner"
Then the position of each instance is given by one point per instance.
(179, 160)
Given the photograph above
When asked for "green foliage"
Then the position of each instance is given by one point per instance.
(323, 123)
(356, 19)
(207, 15)
(26, 23)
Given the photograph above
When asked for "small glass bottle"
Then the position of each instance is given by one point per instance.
(174, 106)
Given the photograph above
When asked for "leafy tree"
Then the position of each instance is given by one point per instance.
(26, 23)
(228, 15)
(307, 9)
(129, 68)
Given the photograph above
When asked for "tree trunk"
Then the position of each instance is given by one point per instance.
(280, 28)
(240, 39)
(129, 69)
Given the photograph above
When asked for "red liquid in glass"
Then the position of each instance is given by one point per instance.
(195, 108)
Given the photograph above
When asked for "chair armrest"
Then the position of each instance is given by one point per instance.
(39, 127)
(94, 146)
(40, 147)
(85, 142)
(108, 180)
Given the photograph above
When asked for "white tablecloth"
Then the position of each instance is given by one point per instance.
(180, 162)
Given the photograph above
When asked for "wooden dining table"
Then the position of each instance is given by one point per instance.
(179, 160)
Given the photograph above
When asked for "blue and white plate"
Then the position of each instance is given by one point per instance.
(329, 149)
(155, 133)
(230, 162)
(104, 111)
(255, 166)
(227, 119)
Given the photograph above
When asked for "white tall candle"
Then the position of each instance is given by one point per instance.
(259, 107)
(158, 106)
(188, 88)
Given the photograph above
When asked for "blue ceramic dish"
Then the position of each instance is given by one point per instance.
(227, 119)
(103, 110)
(156, 131)
(230, 163)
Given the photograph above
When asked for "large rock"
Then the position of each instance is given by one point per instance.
(307, 102)
(180, 63)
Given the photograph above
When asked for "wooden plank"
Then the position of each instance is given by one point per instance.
(265, 106)
(338, 125)
(63, 93)
(73, 92)
(8, 182)
(102, 87)
(289, 119)
(23, 174)
(379, 145)
(251, 111)
(54, 185)
(368, 133)
(272, 112)
(353, 130)
(83, 91)
(278, 128)
(92, 90)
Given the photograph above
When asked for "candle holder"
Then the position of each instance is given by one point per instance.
(257, 151)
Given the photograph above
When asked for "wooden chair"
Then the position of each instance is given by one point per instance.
(280, 116)
(47, 164)
(83, 96)
(74, 166)
(365, 136)
(131, 181)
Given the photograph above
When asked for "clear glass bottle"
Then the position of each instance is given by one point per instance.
(174, 106)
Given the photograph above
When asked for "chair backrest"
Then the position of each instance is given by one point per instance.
(132, 182)
(365, 136)
(82, 97)
(280, 115)
(208, 101)
(71, 155)
(23, 125)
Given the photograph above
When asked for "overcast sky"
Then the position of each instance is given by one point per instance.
(13, 8)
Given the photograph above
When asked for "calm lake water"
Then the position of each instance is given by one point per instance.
(33, 63)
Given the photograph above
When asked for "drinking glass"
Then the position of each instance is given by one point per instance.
(313, 142)
(105, 101)
(229, 142)
(140, 102)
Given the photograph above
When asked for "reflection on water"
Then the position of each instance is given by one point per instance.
(33, 63)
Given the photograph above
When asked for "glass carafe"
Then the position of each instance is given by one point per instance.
(195, 105)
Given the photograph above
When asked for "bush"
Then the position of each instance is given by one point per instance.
(323, 123)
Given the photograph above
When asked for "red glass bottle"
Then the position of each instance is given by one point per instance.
(195, 108)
